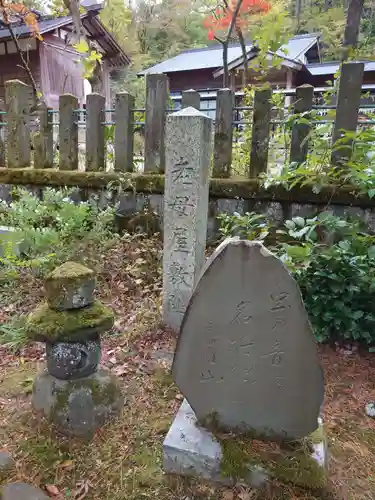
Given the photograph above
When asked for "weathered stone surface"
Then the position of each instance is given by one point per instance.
(7, 463)
(72, 360)
(78, 407)
(192, 450)
(48, 325)
(21, 491)
(70, 286)
(246, 354)
(370, 410)
(188, 156)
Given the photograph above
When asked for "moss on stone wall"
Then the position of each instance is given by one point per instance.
(248, 189)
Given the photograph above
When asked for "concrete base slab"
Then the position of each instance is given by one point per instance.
(191, 450)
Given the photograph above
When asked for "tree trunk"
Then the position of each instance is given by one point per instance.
(298, 14)
(225, 64)
(96, 79)
(245, 80)
(353, 21)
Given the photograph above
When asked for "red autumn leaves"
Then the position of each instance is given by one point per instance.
(222, 17)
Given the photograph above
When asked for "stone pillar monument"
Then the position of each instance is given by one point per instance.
(72, 392)
(188, 155)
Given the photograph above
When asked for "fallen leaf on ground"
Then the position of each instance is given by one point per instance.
(228, 495)
(52, 489)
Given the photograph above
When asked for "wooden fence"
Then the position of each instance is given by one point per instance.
(16, 150)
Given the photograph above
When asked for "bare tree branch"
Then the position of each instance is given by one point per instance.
(234, 18)
(244, 56)
(228, 38)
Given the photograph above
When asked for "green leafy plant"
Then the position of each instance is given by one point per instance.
(248, 226)
(333, 260)
(13, 334)
(52, 229)
(338, 288)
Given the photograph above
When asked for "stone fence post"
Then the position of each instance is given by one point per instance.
(188, 154)
(17, 101)
(348, 102)
(157, 89)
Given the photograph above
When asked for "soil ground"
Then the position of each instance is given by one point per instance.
(124, 461)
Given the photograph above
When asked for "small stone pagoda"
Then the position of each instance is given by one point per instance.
(72, 392)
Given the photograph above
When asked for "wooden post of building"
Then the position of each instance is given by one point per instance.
(260, 132)
(157, 88)
(95, 117)
(43, 152)
(17, 100)
(223, 136)
(2, 135)
(300, 131)
(190, 98)
(124, 131)
(68, 132)
(348, 101)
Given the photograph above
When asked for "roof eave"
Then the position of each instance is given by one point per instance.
(118, 53)
(67, 20)
(289, 63)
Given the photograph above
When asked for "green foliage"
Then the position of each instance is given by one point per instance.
(13, 334)
(338, 287)
(90, 59)
(53, 228)
(332, 259)
(358, 170)
(249, 226)
(269, 32)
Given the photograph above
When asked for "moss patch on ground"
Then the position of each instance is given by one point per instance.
(243, 453)
(46, 324)
(125, 458)
(17, 380)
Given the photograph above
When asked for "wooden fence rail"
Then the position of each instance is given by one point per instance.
(16, 150)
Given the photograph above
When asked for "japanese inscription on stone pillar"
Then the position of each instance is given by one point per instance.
(188, 153)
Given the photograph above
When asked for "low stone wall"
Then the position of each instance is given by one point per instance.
(142, 195)
(276, 212)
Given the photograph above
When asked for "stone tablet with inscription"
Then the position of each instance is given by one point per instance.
(246, 355)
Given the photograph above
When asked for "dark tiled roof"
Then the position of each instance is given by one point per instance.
(212, 57)
(92, 23)
(45, 25)
(330, 68)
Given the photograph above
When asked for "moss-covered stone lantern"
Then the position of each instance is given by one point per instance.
(72, 392)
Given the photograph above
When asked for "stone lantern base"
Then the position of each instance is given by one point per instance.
(81, 406)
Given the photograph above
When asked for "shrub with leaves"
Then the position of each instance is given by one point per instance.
(333, 260)
(54, 227)
(338, 287)
(249, 226)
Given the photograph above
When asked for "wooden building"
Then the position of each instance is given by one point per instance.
(202, 69)
(54, 64)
